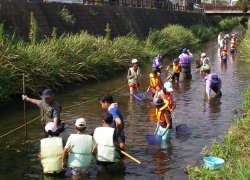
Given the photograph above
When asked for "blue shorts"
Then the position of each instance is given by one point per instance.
(166, 135)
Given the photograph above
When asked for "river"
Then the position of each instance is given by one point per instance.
(206, 120)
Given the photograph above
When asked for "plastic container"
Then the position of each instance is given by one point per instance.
(153, 139)
(213, 162)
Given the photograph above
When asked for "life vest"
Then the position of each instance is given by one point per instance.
(184, 60)
(232, 46)
(168, 98)
(176, 67)
(135, 79)
(47, 111)
(205, 64)
(106, 150)
(80, 155)
(155, 81)
(51, 154)
(161, 119)
(157, 62)
(224, 55)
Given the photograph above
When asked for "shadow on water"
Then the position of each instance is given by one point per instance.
(206, 120)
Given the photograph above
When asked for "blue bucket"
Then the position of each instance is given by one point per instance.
(153, 139)
(213, 162)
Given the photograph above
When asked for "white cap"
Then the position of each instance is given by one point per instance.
(80, 122)
(168, 86)
(203, 54)
(50, 127)
(134, 61)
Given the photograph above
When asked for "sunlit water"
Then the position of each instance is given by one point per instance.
(207, 121)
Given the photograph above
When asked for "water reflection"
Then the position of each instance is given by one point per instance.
(223, 67)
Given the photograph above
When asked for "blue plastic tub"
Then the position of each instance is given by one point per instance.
(153, 139)
(213, 162)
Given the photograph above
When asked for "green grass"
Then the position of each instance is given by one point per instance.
(77, 58)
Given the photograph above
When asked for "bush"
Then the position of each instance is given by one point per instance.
(202, 32)
(228, 23)
(170, 40)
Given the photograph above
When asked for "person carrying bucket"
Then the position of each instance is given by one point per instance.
(107, 148)
(107, 103)
(185, 61)
(50, 110)
(212, 82)
(154, 81)
(51, 149)
(77, 154)
(134, 75)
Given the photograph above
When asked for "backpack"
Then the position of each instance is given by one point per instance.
(214, 80)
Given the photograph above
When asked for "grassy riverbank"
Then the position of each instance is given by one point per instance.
(235, 149)
(77, 58)
(56, 61)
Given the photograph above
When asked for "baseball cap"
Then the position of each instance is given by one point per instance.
(184, 50)
(50, 127)
(134, 61)
(162, 54)
(80, 122)
(203, 54)
(47, 93)
(168, 86)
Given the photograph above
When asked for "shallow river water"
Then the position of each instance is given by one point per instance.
(207, 121)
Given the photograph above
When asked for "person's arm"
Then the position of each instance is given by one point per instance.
(56, 115)
(131, 75)
(208, 89)
(64, 156)
(31, 100)
(118, 124)
(167, 119)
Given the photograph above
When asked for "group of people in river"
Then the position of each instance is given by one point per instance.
(74, 159)
(108, 141)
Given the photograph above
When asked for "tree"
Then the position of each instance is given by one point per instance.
(244, 5)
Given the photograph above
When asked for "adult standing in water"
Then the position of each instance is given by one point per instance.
(51, 149)
(107, 152)
(157, 62)
(185, 61)
(212, 82)
(134, 75)
(77, 154)
(107, 103)
(50, 110)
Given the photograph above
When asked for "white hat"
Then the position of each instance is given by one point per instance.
(203, 54)
(134, 61)
(50, 127)
(168, 86)
(80, 122)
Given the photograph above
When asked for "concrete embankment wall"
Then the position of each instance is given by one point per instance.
(122, 20)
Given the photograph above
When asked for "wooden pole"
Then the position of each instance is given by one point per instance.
(24, 109)
(126, 154)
